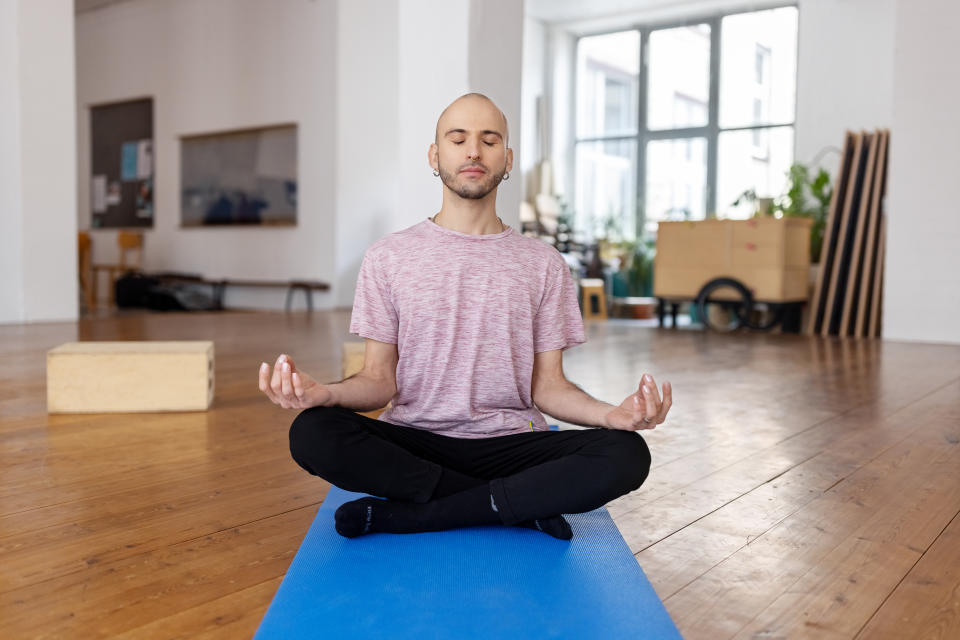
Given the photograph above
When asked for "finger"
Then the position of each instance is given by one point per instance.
(636, 407)
(652, 386)
(297, 385)
(651, 407)
(275, 379)
(667, 401)
(638, 419)
(264, 382)
(264, 376)
(638, 396)
(286, 381)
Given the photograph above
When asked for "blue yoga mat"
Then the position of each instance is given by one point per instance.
(480, 582)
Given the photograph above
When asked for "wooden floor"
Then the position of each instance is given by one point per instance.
(801, 487)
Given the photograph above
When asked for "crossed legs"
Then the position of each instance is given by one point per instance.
(433, 482)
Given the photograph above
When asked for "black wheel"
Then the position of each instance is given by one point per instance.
(724, 304)
(765, 315)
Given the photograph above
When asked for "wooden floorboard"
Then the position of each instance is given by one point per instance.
(802, 487)
(926, 603)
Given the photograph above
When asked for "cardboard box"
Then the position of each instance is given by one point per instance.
(102, 377)
(770, 256)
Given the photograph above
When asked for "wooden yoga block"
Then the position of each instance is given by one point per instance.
(594, 300)
(101, 377)
(351, 363)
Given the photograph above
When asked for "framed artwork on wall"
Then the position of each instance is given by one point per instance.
(121, 164)
(244, 177)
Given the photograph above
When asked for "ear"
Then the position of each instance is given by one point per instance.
(509, 160)
(432, 157)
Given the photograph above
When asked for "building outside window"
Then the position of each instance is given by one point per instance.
(676, 121)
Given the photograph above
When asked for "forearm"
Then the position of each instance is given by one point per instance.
(566, 401)
(362, 392)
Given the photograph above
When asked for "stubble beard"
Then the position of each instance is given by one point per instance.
(472, 191)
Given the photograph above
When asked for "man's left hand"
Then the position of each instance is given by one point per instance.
(642, 410)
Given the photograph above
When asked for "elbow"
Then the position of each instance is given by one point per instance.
(390, 388)
(540, 396)
(387, 387)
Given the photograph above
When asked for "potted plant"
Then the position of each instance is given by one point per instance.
(796, 203)
(805, 197)
(635, 277)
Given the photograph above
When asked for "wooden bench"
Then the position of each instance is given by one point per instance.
(219, 286)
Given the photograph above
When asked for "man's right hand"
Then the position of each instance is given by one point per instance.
(292, 389)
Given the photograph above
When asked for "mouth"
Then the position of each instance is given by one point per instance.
(473, 171)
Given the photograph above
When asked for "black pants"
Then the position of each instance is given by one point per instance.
(531, 475)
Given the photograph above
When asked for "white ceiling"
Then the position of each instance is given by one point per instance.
(574, 10)
(582, 16)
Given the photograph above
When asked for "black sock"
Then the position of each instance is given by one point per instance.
(469, 508)
(372, 515)
(556, 526)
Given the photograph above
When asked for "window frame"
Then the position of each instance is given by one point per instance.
(711, 131)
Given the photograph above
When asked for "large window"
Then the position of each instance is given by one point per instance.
(675, 122)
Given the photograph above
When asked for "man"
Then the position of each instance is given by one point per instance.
(465, 323)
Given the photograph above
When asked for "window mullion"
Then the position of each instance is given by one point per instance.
(713, 118)
(642, 92)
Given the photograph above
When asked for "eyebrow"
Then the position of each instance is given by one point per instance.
(484, 132)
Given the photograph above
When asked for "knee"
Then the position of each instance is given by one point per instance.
(629, 459)
(311, 435)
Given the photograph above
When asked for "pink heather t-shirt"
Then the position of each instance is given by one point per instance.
(467, 313)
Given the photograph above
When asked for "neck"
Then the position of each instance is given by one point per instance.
(474, 217)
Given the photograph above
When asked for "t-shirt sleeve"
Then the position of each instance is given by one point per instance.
(558, 323)
(374, 315)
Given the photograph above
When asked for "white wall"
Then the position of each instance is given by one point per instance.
(11, 212)
(216, 65)
(560, 77)
(844, 73)
(533, 101)
(432, 70)
(368, 134)
(922, 274)
(38, 221)
(365, 80)
(495, 68)
(399, 65)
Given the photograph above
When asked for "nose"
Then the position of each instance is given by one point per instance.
(473, 150)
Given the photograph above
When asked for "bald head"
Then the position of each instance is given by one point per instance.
(470, 152)
(471, 107)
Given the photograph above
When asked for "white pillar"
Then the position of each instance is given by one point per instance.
(38, 163)
(922, 271)
(398, 66)
(495, 67)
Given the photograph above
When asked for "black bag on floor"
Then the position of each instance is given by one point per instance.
(140, 290)
(131, 289)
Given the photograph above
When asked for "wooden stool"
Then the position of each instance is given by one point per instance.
(351, 363)
(129, 243)
(594, 299)
(85, 270)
